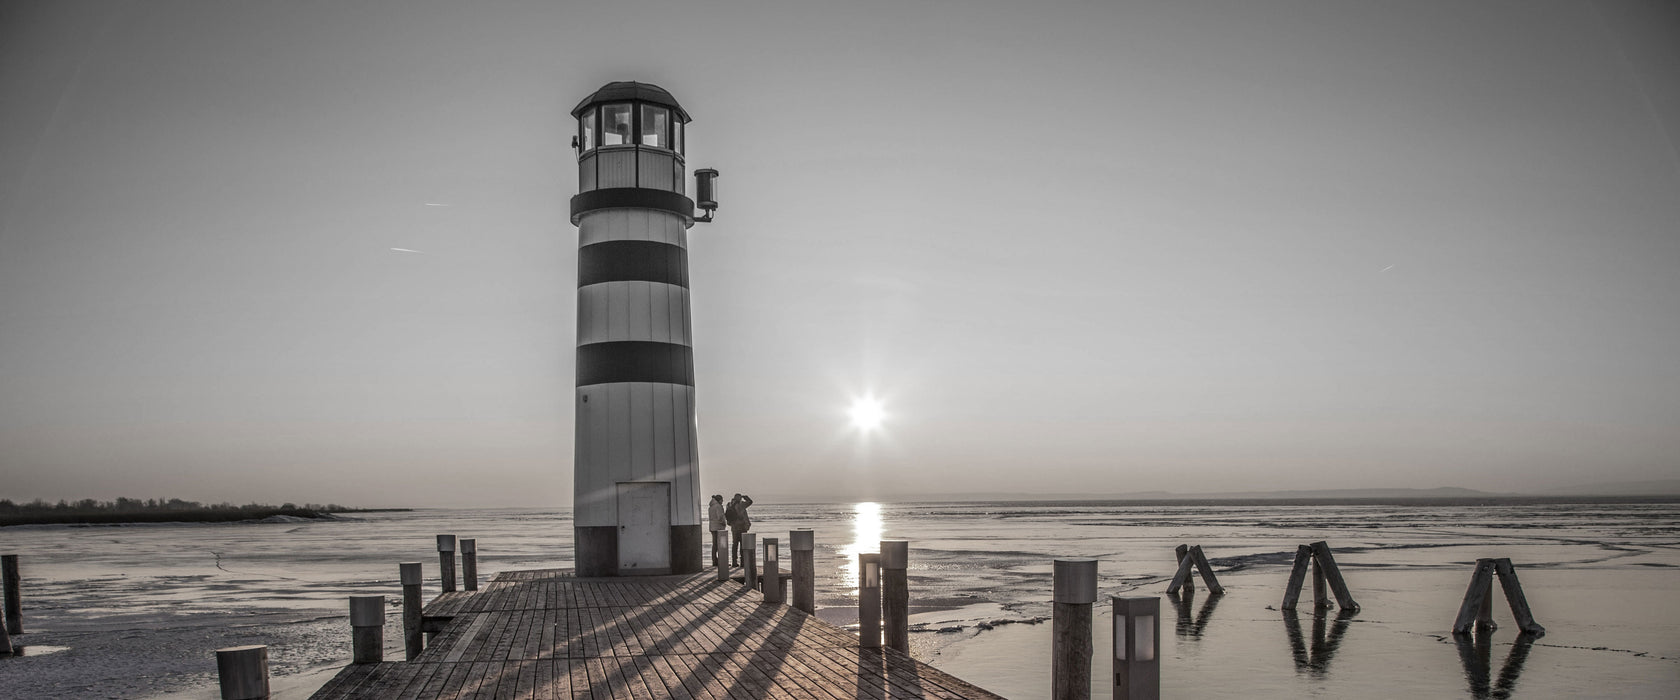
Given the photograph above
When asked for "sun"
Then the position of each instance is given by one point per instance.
(867, 413)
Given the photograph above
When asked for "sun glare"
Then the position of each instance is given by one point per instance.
(867, 413)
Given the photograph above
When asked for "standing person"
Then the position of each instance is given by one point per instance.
(715, 523)
(736, 515)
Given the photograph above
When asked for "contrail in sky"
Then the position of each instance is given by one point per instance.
(410, 250)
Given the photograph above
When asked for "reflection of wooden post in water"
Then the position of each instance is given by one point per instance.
(895, 593)
(1074, 586)
(446, 561)
(1476, 653)
(1316, 659)
(367, 629)
(803, 542)
(413, 640)
(469, 564)
(13, 584)
(243, 672)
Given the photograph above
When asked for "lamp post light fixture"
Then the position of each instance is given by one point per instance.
(721, 544)
(772, 570)
(749, 560)
(803, 543)
(869, 600)
(1137, 640)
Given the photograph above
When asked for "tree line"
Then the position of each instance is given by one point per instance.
(121, 510)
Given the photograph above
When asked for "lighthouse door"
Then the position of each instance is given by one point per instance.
(644, 527)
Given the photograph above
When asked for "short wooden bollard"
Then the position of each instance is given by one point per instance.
(414, 641)
(1074, 585)
(720, 541)
(895, 593)
(243, 672)
(367, 628)
(1137, 644)
(803, 543)
(772, 585)
(749, 560)
(469, 564)
(14, 593)
(869, 600)
(446, 561)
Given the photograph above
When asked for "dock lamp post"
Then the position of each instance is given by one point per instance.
(1137, 637)
(772, 570)
(749, 560)
(803, 542)
(721, 544)
(869, 600)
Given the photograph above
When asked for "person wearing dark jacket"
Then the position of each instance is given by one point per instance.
(736, 516)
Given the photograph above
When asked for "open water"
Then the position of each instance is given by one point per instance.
(137, 611)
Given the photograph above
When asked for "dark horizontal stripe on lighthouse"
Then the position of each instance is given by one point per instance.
(635, 361)
(632, 261)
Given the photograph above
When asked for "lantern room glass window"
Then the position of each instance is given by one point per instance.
(586, 130)
(615, 125)
(677, 135)
(656, 126)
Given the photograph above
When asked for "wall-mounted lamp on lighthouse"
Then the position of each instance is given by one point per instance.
(636, 497)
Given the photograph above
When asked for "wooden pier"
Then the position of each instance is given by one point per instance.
(547, 635)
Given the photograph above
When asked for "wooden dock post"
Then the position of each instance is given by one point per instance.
(367, 628)
(1074, 590)
(446, 561)
(772, 586)
(469, 564)
(803, 542)
(1297, 576)
(1514, 596)
(243, 672)
(869, 600)
(13, 584)
(1321, 556)
(414, 641)
(749, 560)
(895, 593)
(1206, 569)
(5, 642)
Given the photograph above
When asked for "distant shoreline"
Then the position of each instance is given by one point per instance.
(206, 515)
(1490, 500)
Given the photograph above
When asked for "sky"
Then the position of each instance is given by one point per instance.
(320, 251)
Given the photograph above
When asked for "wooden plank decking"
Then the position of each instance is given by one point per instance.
(546, 635)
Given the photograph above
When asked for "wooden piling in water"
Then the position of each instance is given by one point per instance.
(446, 561)
(1187, 582)
(13, 584)
(1514, 596)
(1206, 569)
(469, 564)
(1074, 590)
(803, 543)
(1476, 598)
(895, 593)
(1338, 586)
(367, 629)
(414, 641)
(1297, 576)
(243, 672)
(5, 642)
(1320, 587)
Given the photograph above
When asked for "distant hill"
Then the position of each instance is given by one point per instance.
(1657, 487)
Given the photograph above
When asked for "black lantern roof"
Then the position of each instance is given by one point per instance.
(626, 90)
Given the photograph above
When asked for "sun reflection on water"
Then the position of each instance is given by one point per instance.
(866, 537)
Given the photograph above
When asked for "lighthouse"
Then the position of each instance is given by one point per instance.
(636, 484)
